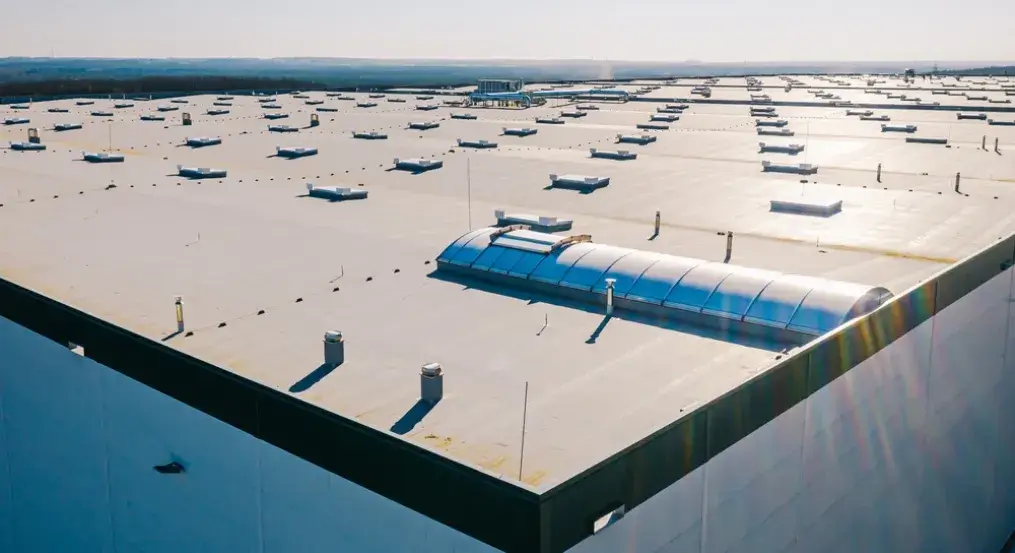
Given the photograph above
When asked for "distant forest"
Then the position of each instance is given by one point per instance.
(21, 78)
(997, 71)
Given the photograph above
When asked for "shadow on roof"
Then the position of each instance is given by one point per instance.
(412, 417)
(312, 378)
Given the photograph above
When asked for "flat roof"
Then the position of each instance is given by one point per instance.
(254, 242)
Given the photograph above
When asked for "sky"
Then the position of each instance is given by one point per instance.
(634, 30)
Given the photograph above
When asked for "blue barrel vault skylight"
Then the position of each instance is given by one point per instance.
(681, 286)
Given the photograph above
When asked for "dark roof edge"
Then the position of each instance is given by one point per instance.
(480, 505)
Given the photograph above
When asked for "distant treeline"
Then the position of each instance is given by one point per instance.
(18, 91)
(998, 71)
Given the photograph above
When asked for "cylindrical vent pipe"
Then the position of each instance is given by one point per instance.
(610, 282)
(879, 172)
(983, 143)
(179, 314)
(431, 383)
(658, 222)
(997, 145)
(334, 348)
(729, 247)
(958, 179)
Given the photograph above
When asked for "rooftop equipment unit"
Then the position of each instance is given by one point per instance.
(537, 223)
(780, 148)
(818, 208)
(573, 114)
(875, 118)
(102, 157)
(60, 127)
(652, 126)
(397, 100)
(418, 165)
(16, 121)
(282, 128)
(200, 172)
(549, 120)
(976, 98)
(58, 110)
(19, 106)
(898, 128)
(366, 104)
(167, 108)
(518, 131)
(123, 105)
(217, 112)
(589, 107)
(186, 119)
(100, 113)
(424, 98)
(861, 112)
(292, 152)
(222, 104)
(224, 98)
(371, 135)
(463, 116)
(314, 102)
(33, 136)
(619, 155)
(274, 116)
(926, 140)
(375, 96)
(268, 100)
(202, 141)
(299, 96)
(424, 125)
(315, 120)
(640, 139)
(664, 117)
(997, 122)
(776, 123)
(84, 102)
(149, 117)
(980, 116)
(335, 193)
(764, 131)
(270, 106)
(27, 146)
(579, 182)
(999, 101)
(345, 98)
(757, 109)
(179, 101)
(428, 107)
(324, 109)
(481, 144)
(799, 169)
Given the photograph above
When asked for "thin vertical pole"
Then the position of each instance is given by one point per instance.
(468, 178)
(525, 413)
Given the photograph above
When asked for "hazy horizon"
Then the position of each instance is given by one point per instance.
(722, 31)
